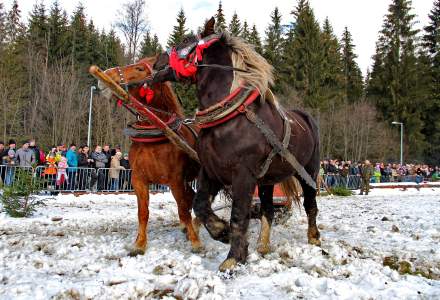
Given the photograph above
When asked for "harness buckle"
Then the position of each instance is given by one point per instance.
(242, 108)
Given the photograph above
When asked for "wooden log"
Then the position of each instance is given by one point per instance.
(135, 104)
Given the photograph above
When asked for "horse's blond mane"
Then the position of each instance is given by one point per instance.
(259, 72)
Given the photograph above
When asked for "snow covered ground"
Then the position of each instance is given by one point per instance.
(83, 255)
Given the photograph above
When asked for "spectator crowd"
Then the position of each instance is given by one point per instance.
(72, 168)
(334, 170)
(108, 169)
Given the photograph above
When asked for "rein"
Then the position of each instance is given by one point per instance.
(224, 67)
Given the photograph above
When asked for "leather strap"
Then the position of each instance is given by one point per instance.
(275, 151)
(278, 146)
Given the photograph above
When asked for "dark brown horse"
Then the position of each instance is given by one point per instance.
(232, 84)
(158, 162)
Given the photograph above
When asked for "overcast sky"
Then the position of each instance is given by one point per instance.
(364, 18)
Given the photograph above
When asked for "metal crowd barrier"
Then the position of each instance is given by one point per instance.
(353, 182)
(115, 180)
(53, 180)
(8, 174)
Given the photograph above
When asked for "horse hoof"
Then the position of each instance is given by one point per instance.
(228, 265)
(197, 248)
(263, 249)
(182, 228)
(316, 242)
(219, 231)
(135, 251)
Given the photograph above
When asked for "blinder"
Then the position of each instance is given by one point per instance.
(184, 62)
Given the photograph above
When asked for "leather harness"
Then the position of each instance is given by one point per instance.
(239, 102)
(184, 63)
(141, 132)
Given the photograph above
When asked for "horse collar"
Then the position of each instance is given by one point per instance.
(228, 108)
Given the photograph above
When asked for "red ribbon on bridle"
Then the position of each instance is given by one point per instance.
(187, 67)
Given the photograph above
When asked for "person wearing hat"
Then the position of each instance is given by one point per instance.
(6, 157)
(72, 162)
(3, 154)
(24, 156)
(9, 162)
(125, 176)
(12, 145)
(3, 150)
(366, 172)
(115, 169)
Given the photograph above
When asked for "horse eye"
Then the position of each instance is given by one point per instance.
(140, 69)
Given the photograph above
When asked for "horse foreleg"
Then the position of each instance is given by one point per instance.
(242, 190)
(217, 228)
(184, 195)
(142, 194)
(265, 192)
(311, 209)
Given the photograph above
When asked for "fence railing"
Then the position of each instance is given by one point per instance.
(353, 182)
(77, 179)
(115, 180)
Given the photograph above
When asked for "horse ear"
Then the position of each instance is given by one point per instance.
(209, 28)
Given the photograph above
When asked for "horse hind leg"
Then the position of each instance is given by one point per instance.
(142, 194)
(184, 195)
(311, 209)
(265, 192)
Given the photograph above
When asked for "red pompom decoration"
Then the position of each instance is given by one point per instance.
(147, 93)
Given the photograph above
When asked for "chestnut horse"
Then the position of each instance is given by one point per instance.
(247, 138)
(158, 162)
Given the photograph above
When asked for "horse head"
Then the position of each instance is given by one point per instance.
(135, 79)
(130, 77)
(217, 63)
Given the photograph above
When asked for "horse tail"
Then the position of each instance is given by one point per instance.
(292, 189)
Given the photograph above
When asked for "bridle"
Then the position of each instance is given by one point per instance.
(185, 62)
(142, 84)
(126, 85)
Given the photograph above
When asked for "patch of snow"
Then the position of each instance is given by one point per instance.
(83, 255)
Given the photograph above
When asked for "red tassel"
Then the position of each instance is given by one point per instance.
(119, 103)
(147, 93)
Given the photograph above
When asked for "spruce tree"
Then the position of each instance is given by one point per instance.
(353, 83)
(57, 33)
(394, 79)
(254, 39)
(187, 94)
(112, 49)
(14, 27)
(78, 38)
(13, 76)
(303, 56)
(2, 25)
(273, 43)
(179, 30)
(150, 46)
(429, 60)
(38, 28)
(245, 33)
(235, 25)
(332, 68)
(94, 51)
(220, 22)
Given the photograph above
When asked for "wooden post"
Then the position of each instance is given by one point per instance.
(135, 104)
